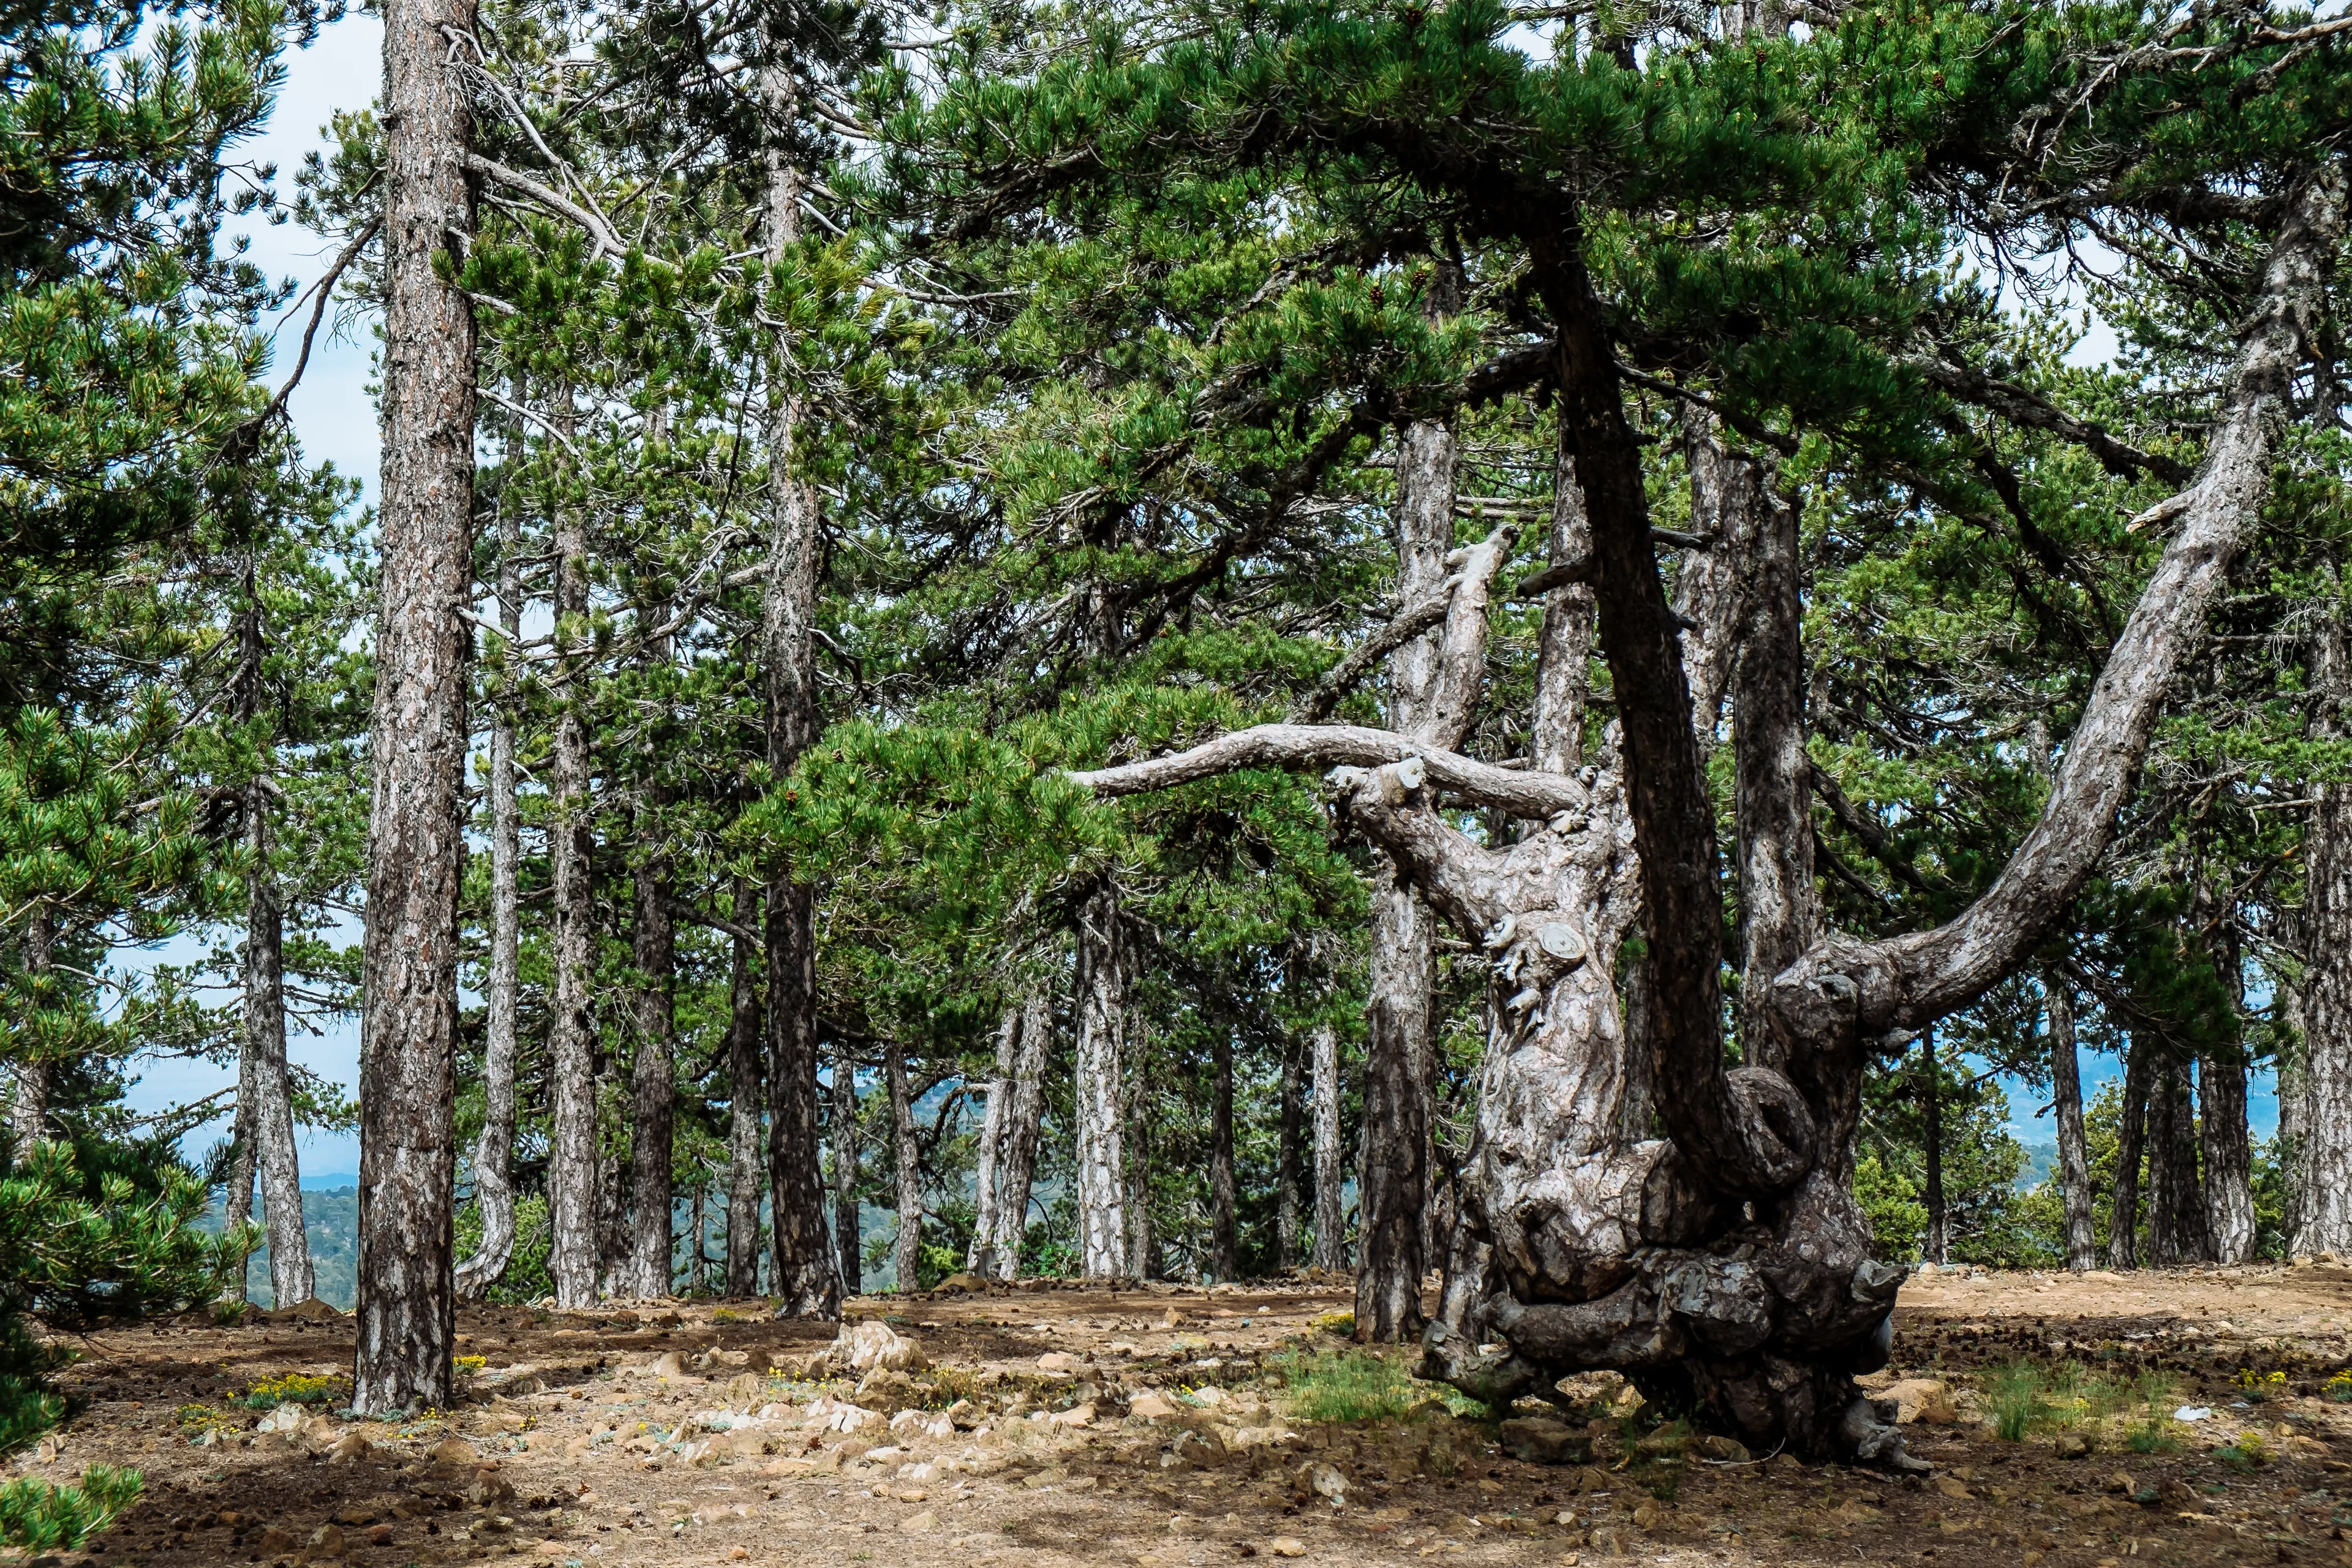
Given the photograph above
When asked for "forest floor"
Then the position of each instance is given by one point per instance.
(1162, 1428)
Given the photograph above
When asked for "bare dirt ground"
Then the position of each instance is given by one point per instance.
(1160, 1430)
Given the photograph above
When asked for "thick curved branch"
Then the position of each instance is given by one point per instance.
(2021, 405)
(597, 229)
(1904, 981)
(1523, 794)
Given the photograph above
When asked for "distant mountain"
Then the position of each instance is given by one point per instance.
(331, 1221)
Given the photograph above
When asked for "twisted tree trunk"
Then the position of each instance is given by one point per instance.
(745, 1037)
(416, 851)
(494, 1196)
(1727, 1268)
(2073, 1148)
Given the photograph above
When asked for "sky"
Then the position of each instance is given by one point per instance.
(334, 417)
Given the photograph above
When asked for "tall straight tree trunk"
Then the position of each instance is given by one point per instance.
(1931, 1103)
(573, 1171)
(848, 1231)
(2222, 1142)
(651, 1092)
(979, 1258)
(1135, 1129)
(1331, 1249)
(2228, 1159)
(745, 1169)
(808, 1276)
(2294, 1105)
(1102, 1019)
(1392, 1172)
(415, 854)
(2324, 1207)
(494, 1195)
(906, 1251)
(2131, 1145)
(1287, 1127)
(2073, 1148)
(272, 1121)
(2176, 1199)
(1016, 1157)
(1224, 1254)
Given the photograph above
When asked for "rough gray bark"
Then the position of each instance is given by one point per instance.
(2066, 1103)
(906, 1248)
(572, 1188)
(808, 1274)
(651, 1093)
(1017, 1152)
(415, 850)
(848, 1228)
(1224, 1256)
(1102, 1020)
(1288, 1127)
(2294, 1105)
(1564, 644)
(2227, 1158)
(2176, 1207)
(988, 1155)
(494, 1195)
(745, 1037)
(1135, 1137)
(2131, 1145)
(1331, 1249)
(2324, 1194)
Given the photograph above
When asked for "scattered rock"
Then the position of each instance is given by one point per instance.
(669, 1363)
(873, 1345)
(2120, 1483)
(1715, 1445)
(289, 1419)
(1328, 1482)
(452, 1453)
(380, 1536)
(274, 1540)
(326, 1541)
(1057, 1361)
(1287, 1546)
(1920, 1399)
(920, 1523)
(1539, 1440)
(489, 1488)
(1953, 1487)
(1076, 1415)
(1151, 1407)
(2071, 1445)
(312, 1310)
(1784, 1466)
(968, 1284)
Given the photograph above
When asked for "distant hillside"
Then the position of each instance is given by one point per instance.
(331, 1221)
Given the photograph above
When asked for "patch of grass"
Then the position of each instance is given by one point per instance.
(2248, 1454)
(1338, 1325)
(2150, 1436)
(1349, 1385)
(2338, 1388)
(2015, 1399)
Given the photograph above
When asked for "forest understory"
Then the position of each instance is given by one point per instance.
(1165, 1426)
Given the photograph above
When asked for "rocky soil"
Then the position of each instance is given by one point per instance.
(1172, 1428)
